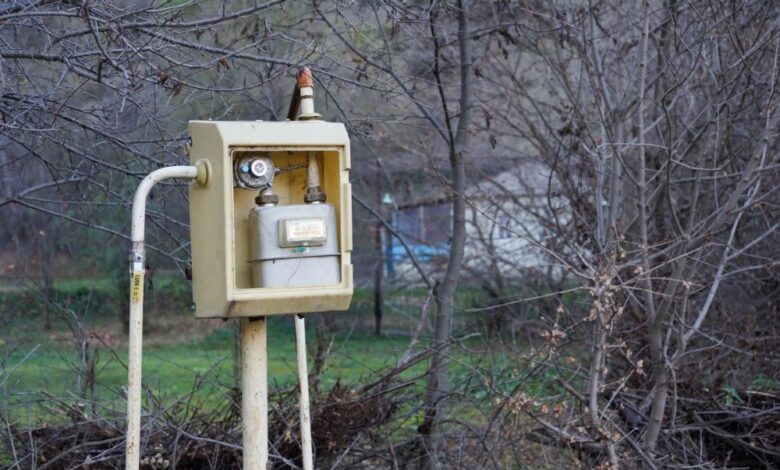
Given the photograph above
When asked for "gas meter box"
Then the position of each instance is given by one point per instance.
(272, 228)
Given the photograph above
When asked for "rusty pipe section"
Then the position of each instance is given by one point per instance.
(305, 78)
(302, 102)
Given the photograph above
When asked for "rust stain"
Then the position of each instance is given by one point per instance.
(305, 78)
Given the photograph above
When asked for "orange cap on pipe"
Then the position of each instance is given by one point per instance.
(305, 78)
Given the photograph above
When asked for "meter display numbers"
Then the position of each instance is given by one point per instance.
(302, 232)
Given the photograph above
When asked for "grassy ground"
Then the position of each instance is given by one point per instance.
(39, 361)
(39, 355)
(173, 365)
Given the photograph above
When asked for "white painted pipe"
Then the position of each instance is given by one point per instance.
(146, 185)
(307, 102)
(254, 393)
(133, 446)
(303, 381)
(313, 171)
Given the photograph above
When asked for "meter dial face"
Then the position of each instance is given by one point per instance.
(258, 168)
(254, 171)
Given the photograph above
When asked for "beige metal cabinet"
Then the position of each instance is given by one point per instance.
(219, 213)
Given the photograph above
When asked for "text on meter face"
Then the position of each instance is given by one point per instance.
(302, 232)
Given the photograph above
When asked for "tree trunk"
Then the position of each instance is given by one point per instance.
(444, 293)
(378, 265)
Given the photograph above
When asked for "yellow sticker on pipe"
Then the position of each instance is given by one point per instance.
(137, 287)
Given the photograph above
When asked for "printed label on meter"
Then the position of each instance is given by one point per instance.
(302, 232)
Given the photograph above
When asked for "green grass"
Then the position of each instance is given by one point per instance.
(182, 353)
(172, 369)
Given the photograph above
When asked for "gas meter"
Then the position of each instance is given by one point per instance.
(272, 229)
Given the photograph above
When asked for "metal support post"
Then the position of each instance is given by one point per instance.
(303, 381)
(254, 393)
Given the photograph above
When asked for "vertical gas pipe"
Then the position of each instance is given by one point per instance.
(199, 172)
(313, 196)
